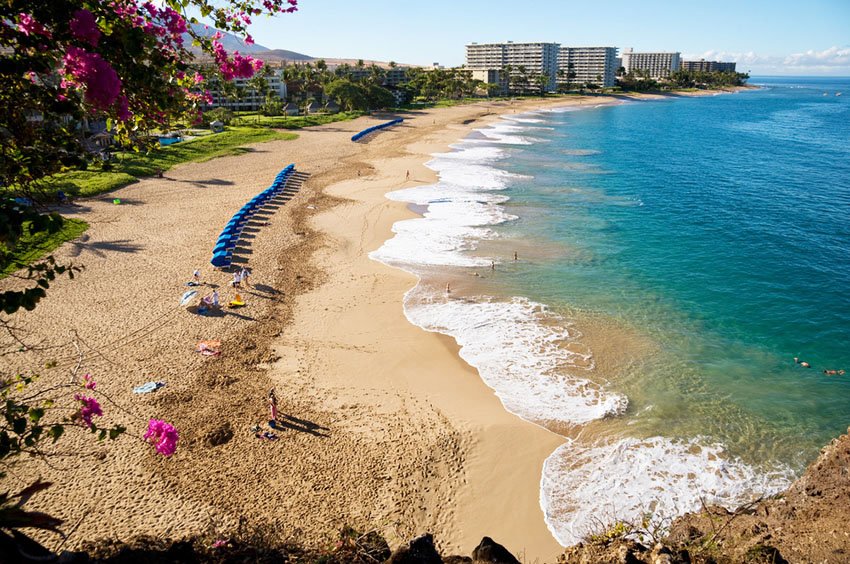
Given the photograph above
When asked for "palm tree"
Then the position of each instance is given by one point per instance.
(509, 70)
(542, 81)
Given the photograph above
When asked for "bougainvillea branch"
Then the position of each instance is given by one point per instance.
(65, 63)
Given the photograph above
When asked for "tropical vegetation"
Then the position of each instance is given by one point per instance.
(68, 69)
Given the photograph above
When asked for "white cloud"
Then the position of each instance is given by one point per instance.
(832, 57)
(834, 60)
(747, 58)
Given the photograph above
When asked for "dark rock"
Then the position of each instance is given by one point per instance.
(455, 559)
(489, 550)
(418, 551)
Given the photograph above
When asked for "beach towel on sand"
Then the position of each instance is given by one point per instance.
(148, 387)
(209, 348)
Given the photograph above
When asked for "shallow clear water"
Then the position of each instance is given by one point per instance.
(674, 257)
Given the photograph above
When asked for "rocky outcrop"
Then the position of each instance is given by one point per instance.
(810, 522)
(489, 550)
(420, 550)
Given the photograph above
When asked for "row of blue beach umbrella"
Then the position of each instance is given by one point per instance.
(365, 132)
(223, 251)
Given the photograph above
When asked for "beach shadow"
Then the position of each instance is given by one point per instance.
(232, 313)
(267, 289)
(300, 425)
(100, 248)
(203, 183)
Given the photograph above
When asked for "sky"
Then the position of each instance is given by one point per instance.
(765, 37)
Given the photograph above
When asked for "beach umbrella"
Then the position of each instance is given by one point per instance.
(187, 296)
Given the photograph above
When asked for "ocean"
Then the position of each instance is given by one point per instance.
(673, 258)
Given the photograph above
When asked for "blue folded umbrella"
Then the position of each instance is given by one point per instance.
(220, 259)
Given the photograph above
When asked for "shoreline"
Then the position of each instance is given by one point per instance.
(384, 424)
(491, 436)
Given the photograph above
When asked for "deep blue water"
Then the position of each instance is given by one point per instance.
(718, 230)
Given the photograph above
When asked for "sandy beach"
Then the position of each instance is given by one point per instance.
(383, 425)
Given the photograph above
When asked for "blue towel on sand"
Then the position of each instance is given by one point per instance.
(148, 387)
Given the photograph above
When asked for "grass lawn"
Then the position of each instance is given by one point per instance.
(292, 122)
(30, 248)
(129, 167)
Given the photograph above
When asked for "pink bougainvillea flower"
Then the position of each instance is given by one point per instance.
(84, 27)
(88, 382)
(219, 543)
(89, 408)
(90, 70)
(29, 26)
(123, 109)
(162, 436)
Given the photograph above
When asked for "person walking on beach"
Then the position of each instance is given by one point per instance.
(272, 405)
(237, 279)
(243, 276)
(448, 288)
(407, 175)
(215, 299)
(516, 257)
(493, 265)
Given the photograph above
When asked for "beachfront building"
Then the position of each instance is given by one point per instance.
(652, 65)
(708, 66)
(580, 66)
(495, 80)
(393, 76)
(524, 61)
(248, 99)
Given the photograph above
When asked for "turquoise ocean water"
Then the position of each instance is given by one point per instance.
(675, 256)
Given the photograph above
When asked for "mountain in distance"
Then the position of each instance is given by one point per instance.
(230, 42)
(233, 43)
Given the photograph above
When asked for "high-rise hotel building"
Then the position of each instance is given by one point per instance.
(587, 65)
(656, 65)
(708, 66)
(536, 58)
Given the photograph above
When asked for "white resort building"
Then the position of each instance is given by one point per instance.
(249, 99)
(578, 66)
(655, 65)
(708, 66)
(535, 58)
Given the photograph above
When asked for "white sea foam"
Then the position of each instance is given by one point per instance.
(518, 348)
(522, 119)
(584, 489)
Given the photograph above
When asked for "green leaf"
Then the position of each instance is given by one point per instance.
(36, 413)
(116, 431)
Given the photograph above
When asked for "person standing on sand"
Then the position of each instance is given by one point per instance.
(237, 279)
(272, 405)
(448, 288)
(407, 175)
(516, 257)
(215, 299)
(243, 276)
